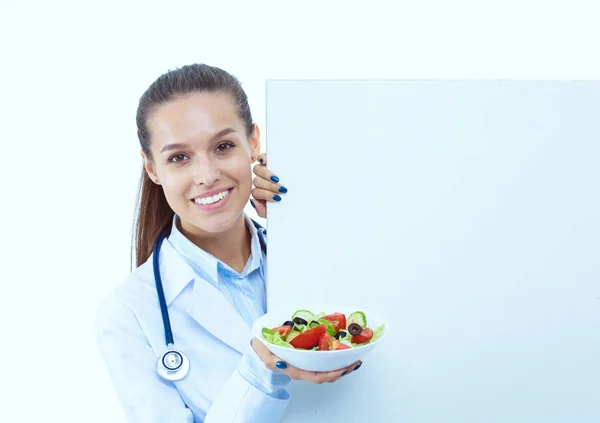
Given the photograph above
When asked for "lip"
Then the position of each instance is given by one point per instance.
(212, 193)
(216, 205)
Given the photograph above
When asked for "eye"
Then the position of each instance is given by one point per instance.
(224, 146)
(177, 157)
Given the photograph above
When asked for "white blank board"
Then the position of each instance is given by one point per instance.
(467, 213)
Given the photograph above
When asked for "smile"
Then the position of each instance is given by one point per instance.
(214, 199)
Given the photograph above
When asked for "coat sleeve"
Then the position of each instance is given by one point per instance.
(147, 398)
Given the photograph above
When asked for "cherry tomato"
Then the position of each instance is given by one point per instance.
(338, 320)
(283, 330)
(365, 336)
(309, 339)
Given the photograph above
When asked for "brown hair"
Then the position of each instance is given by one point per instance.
(153, 213)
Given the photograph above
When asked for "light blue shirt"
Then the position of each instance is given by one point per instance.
(245, 291)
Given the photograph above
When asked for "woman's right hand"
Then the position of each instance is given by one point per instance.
(294, 373)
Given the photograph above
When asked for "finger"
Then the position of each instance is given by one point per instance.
(265, 195)
(261, 208)
(265, 173)
(262, 159)
(259, 182)
(352, 368)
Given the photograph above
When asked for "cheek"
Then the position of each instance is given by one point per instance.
(240, 170)
(174, 185)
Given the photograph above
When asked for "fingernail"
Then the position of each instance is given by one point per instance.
(357, 367)
(276, 197)
(281, 365)
(261, 161)
(252, 202)
(282, 189)
(274, 178)
(345, 373)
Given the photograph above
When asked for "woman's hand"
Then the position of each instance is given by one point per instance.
(267, 187)
(271, 361)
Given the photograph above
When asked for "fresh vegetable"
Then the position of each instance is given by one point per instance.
(325, 332)
(358, 317)
(338, 320)
(305, 315)
(354, 329)
(365, 335)
(329, 343)
(283, 330)
(340, 334)
(309, 339)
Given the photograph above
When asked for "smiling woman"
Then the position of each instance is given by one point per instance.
(198, 144)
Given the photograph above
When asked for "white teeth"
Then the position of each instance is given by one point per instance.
(213, 199)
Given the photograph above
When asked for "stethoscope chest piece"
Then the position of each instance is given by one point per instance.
(173, 365)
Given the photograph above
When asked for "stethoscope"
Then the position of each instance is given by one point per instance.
(174, 365)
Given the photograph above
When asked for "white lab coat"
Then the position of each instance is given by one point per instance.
(205, 326)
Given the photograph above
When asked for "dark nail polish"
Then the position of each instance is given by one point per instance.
(274, 178)
(281, 365)
(282, 189)
(252, 202)
(276, 197)
(357, 367)
(261, 161)
(345, 373)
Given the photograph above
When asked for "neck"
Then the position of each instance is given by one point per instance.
(232, 247)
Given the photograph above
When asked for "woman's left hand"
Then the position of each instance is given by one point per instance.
(267, 187)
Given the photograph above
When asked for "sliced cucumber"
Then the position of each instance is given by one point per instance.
(303, 314)
(292, 335)
(319, 315)
(357, 317)
(314, 324)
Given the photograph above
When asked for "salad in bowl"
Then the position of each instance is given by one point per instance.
(320, 338)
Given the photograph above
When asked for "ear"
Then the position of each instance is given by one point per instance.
(149, 167)
(255, 142)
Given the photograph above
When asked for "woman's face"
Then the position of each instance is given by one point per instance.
(202, 159)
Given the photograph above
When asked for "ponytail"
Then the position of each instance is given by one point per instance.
(153, 215)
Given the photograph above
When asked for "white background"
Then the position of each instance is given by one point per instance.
(71, 76)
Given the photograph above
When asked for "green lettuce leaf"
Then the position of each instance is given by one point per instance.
(328, 325)
(275, 338)
(377, 333)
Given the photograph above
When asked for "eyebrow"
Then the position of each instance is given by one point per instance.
(176, 146)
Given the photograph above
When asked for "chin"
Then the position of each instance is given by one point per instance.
(217, 223)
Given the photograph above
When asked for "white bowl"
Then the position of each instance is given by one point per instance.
(318, 361)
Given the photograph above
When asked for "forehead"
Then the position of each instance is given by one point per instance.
(193, 118)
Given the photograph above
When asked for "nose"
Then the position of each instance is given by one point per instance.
(205, 171)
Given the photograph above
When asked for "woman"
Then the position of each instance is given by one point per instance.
(198, 144)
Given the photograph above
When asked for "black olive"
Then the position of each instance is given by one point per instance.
(300, 321)
(314, 321)
(288, 323)
(354, 329)
(340, 334)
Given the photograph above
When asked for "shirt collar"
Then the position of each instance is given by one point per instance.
(206, 264)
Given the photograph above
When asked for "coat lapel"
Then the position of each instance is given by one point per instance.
(207, 305)
(210, 308)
